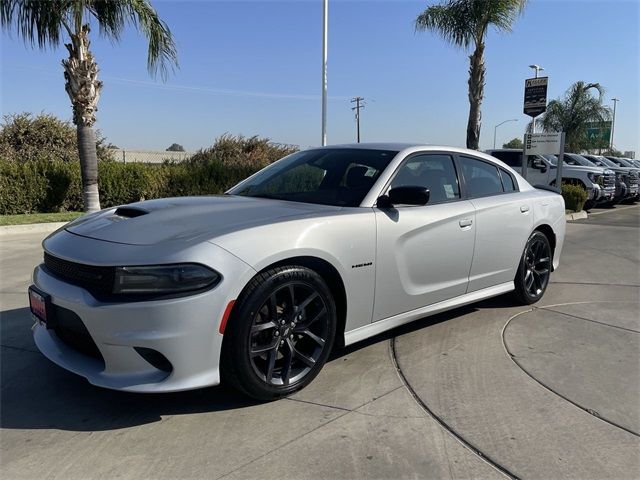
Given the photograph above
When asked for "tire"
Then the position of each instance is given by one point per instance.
(280, 333)
(589, 204)
(534, 269)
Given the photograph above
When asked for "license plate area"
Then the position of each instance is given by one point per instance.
(40, 305)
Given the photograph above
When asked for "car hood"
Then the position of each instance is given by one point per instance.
(582, 168)
(188, 219)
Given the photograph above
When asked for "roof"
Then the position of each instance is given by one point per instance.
(378, 145)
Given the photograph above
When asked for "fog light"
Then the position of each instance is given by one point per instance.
(155, 358)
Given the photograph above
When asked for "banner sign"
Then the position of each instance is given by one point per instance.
(535, 96)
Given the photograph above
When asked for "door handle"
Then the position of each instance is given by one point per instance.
(465, 222)
(524, 208)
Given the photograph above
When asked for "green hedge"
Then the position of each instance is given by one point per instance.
(55, 186)
(574, 197)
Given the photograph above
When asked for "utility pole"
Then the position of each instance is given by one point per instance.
(325, 32)
(359, 101)
(613, 122)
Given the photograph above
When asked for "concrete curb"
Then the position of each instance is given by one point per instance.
(49, 227)
(576, 215)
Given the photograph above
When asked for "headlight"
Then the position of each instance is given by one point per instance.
(595, 177)
(163, 279)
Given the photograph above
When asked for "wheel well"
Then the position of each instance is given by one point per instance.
(333, 280)
(549, 233)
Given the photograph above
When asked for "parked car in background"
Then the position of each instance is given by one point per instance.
(626, 178)
(599, 183)
(623, 162)
(327, 245)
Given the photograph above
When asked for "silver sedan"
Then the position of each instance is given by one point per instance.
(254, 287)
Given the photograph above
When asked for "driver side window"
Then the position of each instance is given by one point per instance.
(435, 172)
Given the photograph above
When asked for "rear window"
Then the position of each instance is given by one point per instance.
(507, 181)
(513, 159)
(482, 178)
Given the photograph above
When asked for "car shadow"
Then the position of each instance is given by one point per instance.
(36, 394)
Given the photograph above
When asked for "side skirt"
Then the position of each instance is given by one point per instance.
(380, 326)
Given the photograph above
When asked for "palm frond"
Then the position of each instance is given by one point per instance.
(574, 112)
(453, 21)
(44, 22)
(112, 17)
(35, 21)
(461, 22)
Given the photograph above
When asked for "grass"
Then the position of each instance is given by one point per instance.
(38, 218)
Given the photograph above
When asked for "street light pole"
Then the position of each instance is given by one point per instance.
(537, 68)
(495, 129)
(325, 31)
(613, 122)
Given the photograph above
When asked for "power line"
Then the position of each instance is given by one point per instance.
(359, 101)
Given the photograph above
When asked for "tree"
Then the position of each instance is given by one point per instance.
(573, 112)
(175, 147)
(513, 143)
(465, 23)
(46, 23)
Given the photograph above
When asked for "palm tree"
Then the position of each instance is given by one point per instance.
(465, 23)
(573, 112)
(47, 22)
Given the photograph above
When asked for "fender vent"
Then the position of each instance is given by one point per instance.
(130, 212)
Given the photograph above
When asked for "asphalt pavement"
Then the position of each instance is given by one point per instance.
(491, 390)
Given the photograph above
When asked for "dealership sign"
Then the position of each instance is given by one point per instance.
(543, 143)
(599, 134)
(535, 96)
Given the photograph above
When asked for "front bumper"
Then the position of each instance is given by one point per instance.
(605, 194)
(184, 330)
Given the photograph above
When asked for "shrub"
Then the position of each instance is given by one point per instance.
(46, 183)
(24, 137)
(55, 185)
(574, 197)
(239, 151)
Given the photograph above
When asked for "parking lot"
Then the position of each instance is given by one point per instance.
(485, 391)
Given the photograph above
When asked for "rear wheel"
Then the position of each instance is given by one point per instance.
(534, 270)
(280, 333)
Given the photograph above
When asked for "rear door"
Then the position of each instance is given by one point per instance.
(423, 252)
(504, 219)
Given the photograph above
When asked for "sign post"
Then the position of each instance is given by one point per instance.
(550, 143)
(535, 103)
(560, 163)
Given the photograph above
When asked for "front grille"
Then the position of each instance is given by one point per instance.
(609, 181)
(69, 328)
(95, 279)
(633, 179)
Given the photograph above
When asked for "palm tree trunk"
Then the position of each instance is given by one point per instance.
(83, 87)
(476, 95)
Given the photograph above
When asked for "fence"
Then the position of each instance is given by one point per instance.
(148, 156)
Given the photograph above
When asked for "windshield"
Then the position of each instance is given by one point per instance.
(606, 161)
(328, 176)
(575, 159)
(625, 162)
(617, 161)
(553, 160)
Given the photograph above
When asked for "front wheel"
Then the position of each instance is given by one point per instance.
(280, 333)
(534, 270)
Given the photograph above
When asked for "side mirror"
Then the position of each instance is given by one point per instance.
(407, 195)
(539, 164)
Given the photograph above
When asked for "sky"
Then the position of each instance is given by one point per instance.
(254, 68)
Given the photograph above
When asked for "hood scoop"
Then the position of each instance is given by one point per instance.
(130, 212)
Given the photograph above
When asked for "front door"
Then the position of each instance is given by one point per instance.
(424, 253)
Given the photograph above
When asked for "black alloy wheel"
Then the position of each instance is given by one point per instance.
(280, 333)
(288, 334)
(534, 270)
